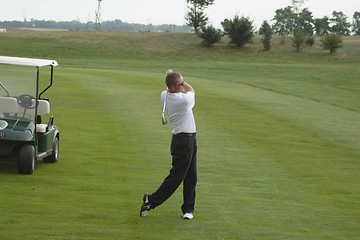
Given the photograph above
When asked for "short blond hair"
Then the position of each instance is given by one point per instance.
(172, 78)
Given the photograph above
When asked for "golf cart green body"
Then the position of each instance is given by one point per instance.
(24, 137)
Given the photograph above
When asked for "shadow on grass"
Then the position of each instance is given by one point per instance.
(8, 168)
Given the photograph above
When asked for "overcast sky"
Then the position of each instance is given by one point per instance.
(161, 11)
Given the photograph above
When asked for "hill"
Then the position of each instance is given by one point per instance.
(278, 136)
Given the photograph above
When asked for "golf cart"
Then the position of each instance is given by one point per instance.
(23, 136)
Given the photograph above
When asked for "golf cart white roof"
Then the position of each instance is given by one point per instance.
(27, 61)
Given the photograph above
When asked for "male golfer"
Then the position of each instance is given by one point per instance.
(179, 99)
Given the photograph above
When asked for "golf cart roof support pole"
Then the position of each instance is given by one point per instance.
(51, 81)
(37, 89)
(7, 91)
(36, 108)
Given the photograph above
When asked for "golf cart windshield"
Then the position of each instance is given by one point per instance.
(22, 84)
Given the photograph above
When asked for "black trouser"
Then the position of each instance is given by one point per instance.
(184, 169)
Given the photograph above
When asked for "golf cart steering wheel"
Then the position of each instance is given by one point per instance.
(26, 100)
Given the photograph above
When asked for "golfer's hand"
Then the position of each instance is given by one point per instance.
(188, 88)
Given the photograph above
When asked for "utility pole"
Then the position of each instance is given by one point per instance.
(98, 17)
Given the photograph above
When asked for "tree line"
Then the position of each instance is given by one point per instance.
(286, 20)
(115, 25)
(293, 21)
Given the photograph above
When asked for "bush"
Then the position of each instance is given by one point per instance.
(298, 38)
(331, 42)
(267, 32)
(239, 30)
(310, 40)
(210, 36)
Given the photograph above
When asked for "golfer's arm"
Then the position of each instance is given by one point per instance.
(188, 88)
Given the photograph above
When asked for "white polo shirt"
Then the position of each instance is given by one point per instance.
(179, 110)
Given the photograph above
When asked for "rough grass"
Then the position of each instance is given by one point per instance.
(278, 137)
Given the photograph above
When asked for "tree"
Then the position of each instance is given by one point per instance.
(305, 21)
(298, 38)
(296, 5)
(210, 35)
(239, 30)
(291, 17)
(322, 26)
(356, 23)
(331, 42)
(341, 26)
(196, 16)
(284, 21)
(267, 32)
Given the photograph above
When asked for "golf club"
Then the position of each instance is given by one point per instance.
(163, 119)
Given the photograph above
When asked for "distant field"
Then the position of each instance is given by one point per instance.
(278, 137)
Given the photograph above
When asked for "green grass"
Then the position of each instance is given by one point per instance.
(278, 137)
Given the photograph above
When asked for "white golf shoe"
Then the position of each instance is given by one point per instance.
(188, 216)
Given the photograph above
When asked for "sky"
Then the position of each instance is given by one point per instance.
(159, 12)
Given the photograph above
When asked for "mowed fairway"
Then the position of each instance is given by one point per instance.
(278, 138)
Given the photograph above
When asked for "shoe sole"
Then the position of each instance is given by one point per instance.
(144, 212)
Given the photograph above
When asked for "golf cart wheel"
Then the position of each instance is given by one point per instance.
(55, 153)
(26, 159)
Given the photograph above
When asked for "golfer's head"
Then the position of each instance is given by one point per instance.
(174, 82)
